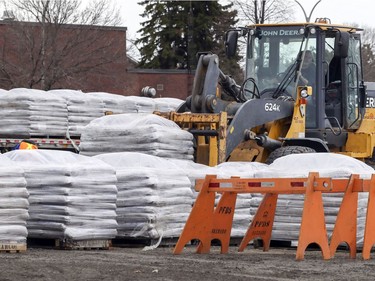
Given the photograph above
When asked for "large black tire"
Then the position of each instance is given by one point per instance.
(286, 150)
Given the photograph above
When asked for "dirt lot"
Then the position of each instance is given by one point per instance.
(161, 264)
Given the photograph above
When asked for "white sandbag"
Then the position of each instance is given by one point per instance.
(45, 114)
(114, 104)
(146, 133)
(14, 202)
(289, 207)
(154, 195)
(167, 104)
(239, 169)
(66, 190)
(139, 104)
(82, 109)
(326, 164)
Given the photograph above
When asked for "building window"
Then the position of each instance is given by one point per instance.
(160, 87)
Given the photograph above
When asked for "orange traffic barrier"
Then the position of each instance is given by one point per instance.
(369, 235)
(261, 225)
(345, 229)
(207, 222)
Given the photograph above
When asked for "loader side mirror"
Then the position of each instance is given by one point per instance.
(231, 38)
(341, 44)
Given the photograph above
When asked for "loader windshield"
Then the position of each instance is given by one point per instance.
(274, 55)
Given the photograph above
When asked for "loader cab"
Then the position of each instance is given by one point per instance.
(276, 59)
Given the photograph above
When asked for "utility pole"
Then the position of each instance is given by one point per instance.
(262, 8)
(263, 11)
(189, 37)
(43, 47)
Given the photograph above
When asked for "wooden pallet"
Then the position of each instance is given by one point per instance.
(234, 241)
(130, 242)
(258, 243)
(65, 244)
(12, 247)
(84, 244)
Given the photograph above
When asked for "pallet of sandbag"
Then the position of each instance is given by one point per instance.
(67, 244)
(12, 247)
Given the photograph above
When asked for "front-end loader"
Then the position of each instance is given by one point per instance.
(277, 111)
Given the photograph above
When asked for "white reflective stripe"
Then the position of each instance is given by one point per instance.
(267, 184)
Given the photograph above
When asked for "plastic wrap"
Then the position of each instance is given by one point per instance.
(167, 104)
(146, 133)
(326, 164)
(154, 195)
(118, 104)
(289, 207)
(71, 196)
(29, 112)
(242, 217)
(14, 202)
(139, 104)
(82, 109)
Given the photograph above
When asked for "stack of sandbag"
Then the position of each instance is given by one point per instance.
(167, 104)
(13, 203)
(146, 133)
(117, 104)
(113, 104)
(242, 217)
(71, 196)
(193, 171)
(29, 112)
(154, 195)
(82, 109)
(135, 104)
(289, 207)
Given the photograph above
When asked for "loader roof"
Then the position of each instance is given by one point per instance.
(324, 25)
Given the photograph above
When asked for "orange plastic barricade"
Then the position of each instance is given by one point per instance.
(261, 225)
(369, 236)
(345, 229)
(207, 222)
(313, 227)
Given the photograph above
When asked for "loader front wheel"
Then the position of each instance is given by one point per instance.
(286, 150)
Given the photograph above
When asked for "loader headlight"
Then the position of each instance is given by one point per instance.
(304, 93)
(307, 30)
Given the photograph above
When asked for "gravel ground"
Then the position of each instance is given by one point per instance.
(161, 264)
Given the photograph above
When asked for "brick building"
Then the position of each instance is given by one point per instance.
(84, 58)
(167, 82)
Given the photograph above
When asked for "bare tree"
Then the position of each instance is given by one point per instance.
(261, 11)
(368, 56)
(132, 50)
(49, 42)
(367, 50)
(264, 11)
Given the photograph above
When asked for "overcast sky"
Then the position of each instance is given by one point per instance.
(339, 11)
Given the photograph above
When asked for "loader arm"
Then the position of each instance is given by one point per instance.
(254, 113)
(205, 97)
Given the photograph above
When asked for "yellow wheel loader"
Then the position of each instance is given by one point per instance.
(277, 110)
